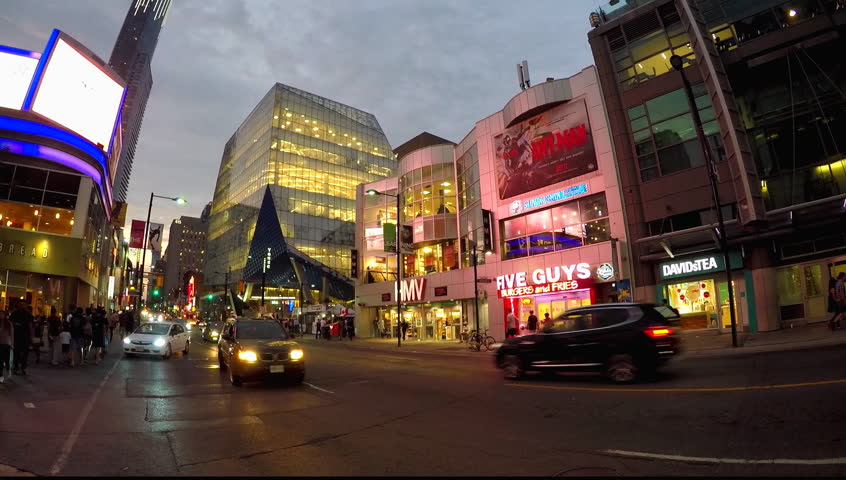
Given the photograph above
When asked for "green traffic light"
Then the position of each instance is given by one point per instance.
(210, 296)
(156, 292)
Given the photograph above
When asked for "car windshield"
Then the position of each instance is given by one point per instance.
(262, 329)
(153, 329)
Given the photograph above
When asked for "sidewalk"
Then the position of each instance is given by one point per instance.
(701, 343)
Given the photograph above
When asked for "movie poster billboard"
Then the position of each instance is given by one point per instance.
(551, 147)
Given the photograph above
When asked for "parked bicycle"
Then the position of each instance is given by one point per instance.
(478, 340)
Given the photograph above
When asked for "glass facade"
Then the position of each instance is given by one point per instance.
(312, 152)
(36, 199)
(664, 135)
(641, 49)
(569, 225)
(470, 228)
(379, 266)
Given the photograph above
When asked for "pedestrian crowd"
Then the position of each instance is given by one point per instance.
(71, 340)
(341, 327)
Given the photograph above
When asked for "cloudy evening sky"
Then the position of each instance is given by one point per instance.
(417, 65)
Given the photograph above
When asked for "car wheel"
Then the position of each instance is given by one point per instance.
(621, 369)
(235, 380)
(167, 353)
(185, 352)
(512, 367)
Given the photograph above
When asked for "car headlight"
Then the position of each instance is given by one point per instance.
(248, 356)
(214, 333)
(160, 342)
(188, 327)
(296, 354)
(126, 341)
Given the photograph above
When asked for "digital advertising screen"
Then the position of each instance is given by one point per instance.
(16, 70)
(75, 92)
(546, 149)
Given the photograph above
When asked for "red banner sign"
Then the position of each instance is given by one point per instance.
(136, 234)
(554, 287)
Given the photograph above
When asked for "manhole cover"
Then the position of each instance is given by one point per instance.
(588, 472)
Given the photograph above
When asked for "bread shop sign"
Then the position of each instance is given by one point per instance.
(562, 278)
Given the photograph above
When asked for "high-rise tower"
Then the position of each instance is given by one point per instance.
(131, 58)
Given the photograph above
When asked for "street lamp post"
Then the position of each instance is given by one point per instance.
(676, 62)
(264, 268)
(399, 261)
(178, 200)
(476, 285)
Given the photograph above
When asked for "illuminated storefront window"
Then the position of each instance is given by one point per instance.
(37, 200)
(438, 257)
(573, 224)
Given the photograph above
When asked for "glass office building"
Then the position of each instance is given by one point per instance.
(312, 152)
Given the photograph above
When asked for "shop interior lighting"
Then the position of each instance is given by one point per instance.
(792, 13)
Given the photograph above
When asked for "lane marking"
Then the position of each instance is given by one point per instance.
(29, 405)
(741, 461)
(318, 388)
(682, 390)
(67, 447)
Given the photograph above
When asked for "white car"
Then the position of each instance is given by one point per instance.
(159, 338)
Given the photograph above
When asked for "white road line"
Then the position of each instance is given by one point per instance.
(318, 388)
(741, 461)
(67, 447)
(29, 405)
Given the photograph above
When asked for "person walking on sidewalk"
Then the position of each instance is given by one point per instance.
(38, 327)
(77, 337)
(533, 322)
(114, 318)
(98, 339)
(54, 325)
(65, 340)
(511, 323)
(23, 332)
(6, 342)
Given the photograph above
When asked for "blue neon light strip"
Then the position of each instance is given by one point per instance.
(33, 128)
(565, 194)
(62, 158)
(39, 70)
(19, 52)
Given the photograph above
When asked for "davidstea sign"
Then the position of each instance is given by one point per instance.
(689, 267)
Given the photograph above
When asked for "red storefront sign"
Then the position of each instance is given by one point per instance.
(553, 287)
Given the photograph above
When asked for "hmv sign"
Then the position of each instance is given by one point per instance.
(412, 290)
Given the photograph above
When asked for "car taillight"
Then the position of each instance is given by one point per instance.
(658, 332)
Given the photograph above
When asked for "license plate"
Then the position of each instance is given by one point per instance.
(277, 368)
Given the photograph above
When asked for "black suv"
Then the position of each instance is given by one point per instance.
(622, 341)
(253, 348)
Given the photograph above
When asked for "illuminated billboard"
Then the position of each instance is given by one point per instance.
(16, 70)
(549, 148)
(74, 90)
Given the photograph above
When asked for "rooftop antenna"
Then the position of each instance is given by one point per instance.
(520, 78)
(526, 73)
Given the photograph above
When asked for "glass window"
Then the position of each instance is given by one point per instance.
(680, 157)
(640, 123)
(636, 112)
(516, 248)
(514, 227)
(541, 243)
(649, 45)
(569, 237)
(30, 177)
(567, 214)
(597, 231)
(593, 207)
(26, 195)
(539, 222)
(674, 131)
(565, 323)
(63, 182)
(667, 105)
(6, 172)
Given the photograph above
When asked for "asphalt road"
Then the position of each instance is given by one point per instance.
(366, 412)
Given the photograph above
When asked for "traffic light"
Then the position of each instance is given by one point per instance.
(210, 296)
(156, 292)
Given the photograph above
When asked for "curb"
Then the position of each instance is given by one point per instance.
(760, 349)
(10, 471)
